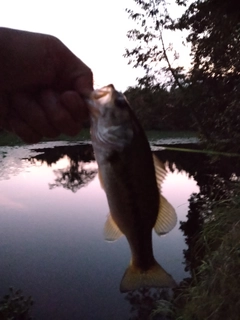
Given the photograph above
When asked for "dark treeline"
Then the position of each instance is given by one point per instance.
(207, 96)
(158, 108)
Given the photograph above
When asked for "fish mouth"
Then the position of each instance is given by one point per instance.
(103, 92)
(100, 97)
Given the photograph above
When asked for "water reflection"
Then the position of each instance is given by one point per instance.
(73, 177)
(52, 241)
(214, 177)
(51, 155)
(76, 174)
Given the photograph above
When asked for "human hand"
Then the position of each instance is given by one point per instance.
(42, 86)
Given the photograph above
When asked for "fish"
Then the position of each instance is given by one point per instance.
(131, 177)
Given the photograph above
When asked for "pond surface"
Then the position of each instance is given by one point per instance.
(52, 216)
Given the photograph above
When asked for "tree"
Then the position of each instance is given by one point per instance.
(214, 34)
(210, 90)
(149, 51)
(157, 99)
(214, 27)
(158, 108)
(149, 105)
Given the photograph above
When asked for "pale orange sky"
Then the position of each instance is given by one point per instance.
(94, 30)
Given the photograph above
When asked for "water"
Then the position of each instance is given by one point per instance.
(52, 216)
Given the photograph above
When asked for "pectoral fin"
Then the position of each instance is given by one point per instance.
(166, 219)
(111, 230)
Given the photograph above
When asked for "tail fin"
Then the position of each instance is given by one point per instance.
(135, 278)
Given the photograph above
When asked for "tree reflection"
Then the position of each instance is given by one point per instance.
(77, 174)
(80, 152)
(214, 177)
(73, 177)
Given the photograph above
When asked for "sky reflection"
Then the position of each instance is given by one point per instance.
(52, 246)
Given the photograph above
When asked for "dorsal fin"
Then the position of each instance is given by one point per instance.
(166, 219)
(160, 171)
(111, 230)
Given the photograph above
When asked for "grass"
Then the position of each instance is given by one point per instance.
(214, 291)
(158, 134)
(10, 139)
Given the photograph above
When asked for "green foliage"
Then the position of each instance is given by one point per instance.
(157, 108)
(14, 306)
(10, 139)
(150, 52)
(215, 285)
(210, 91)
(214, 34)
(213, 293)
(149, 106)
(215, 77)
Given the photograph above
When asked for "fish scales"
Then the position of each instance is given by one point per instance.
(128, 176)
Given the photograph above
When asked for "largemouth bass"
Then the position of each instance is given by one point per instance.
(131, 177)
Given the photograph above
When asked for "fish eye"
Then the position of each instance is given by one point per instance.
(120, 102)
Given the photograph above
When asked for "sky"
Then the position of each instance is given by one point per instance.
(94, 30)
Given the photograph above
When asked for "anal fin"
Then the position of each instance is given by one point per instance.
(160, 171)
(111, 230)
(166, 219)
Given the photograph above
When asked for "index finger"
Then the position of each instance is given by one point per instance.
(84, 83)
(84, 87)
